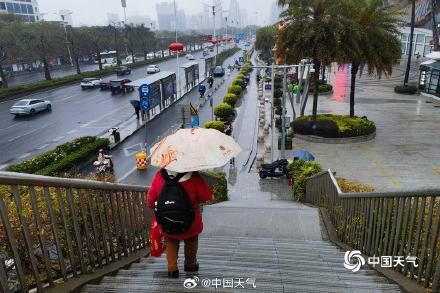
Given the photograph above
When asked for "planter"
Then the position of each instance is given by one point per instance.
(344, 140)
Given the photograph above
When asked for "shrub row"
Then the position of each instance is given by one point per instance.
(299, 171)
(406, 89)
(220, 187)
(333, 126)
(62, 158)
(219, 125)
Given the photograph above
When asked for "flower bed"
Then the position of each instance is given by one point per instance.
(62, 158)
(333, 126)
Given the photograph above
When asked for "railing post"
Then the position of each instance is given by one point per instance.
(425, 242)
(418, 231)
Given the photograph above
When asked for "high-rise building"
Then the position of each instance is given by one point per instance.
(28, 9)
(165, 16)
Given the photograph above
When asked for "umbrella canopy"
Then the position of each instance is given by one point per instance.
(135, 103)
(303, 155)
(193, 150)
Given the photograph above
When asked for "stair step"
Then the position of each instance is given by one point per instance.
(263, 283)
(285, 274)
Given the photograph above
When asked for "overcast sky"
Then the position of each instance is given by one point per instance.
(95, 11)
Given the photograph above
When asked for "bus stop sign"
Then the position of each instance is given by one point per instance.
(144, 90)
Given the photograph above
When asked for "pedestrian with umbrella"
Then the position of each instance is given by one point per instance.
(178, 188)
(137, 107)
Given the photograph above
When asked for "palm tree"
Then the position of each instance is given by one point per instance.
(314, 29)
(373, 41)
(411, 37)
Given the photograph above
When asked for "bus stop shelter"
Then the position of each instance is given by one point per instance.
(162, 94)
(191, 75)
(209, 66)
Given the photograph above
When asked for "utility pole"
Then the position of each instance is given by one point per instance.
(227, 38)
(283, 116)
(124, 5)
(179, 85)
(63, 17)
(214, 36)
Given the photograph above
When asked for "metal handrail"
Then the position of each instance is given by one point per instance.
(77, 225)
(13, 178)
(386, 223)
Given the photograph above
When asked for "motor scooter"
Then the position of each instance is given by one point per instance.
(278, 168)
(104, 166)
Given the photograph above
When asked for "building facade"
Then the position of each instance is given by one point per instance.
(28, 9)
(421, 41)
(165, 16)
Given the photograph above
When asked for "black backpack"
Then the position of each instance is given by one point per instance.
(173, 208)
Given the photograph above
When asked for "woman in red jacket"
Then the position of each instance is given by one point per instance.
(197, 191)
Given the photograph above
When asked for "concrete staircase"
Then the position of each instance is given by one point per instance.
(281, 265)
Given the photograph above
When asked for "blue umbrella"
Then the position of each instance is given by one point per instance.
(303, 155)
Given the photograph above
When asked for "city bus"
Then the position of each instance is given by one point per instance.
(107, 57)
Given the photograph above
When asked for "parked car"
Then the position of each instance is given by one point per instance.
(30, 107)
(90, 83)
(219, 71)
(190, 57)
(120, 86)
(152, 69)
(123, 70)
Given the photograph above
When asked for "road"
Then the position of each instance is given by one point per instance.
(75, 113)
(123, 155)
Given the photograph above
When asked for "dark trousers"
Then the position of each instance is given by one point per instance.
(172, 249)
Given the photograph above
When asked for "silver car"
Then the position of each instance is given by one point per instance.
(30, 107)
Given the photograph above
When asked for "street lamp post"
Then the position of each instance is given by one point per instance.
(63, 16)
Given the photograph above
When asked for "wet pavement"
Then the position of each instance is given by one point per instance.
(406, 151)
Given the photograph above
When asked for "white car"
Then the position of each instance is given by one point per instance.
(152, 69)
(30, 107)
(90, 83)
(190, 57)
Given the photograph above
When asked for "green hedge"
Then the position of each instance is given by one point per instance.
(230, 99)
(299, 171)
(220, 188)
(324, 88)
(235, 89)
(219, 125)
(334, 126)
(223, 111)
(406, 89)
(44, 84)
(62, 158)
(238, 81)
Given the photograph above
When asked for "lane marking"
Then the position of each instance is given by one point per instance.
(72, 131)
(58, 138)
(24, 156)
(394, 182)
(30, 132)
(18, 123)
(67, 98)
(43, 146)
(101, 117)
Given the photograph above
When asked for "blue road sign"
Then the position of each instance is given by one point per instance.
(145, 104)
(145, 90)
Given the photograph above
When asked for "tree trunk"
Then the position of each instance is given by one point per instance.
(434, 26)
(3, 77)
(317, 66)
(78, 69)
(145, 55)
(98, 55)
(411, 36)
(46, 69)
(354, 71)
(132, 56)
(323, 74)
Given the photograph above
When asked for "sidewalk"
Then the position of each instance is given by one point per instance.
(257, 208)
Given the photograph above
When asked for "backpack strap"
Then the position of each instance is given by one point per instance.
(167, 178)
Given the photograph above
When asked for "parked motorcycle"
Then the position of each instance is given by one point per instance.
(278, 168)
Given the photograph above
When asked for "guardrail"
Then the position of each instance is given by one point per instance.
(56, 229)
(397, 223)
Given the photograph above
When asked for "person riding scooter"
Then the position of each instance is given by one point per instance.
(210, 81)
(103, 162)
(202, 90)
